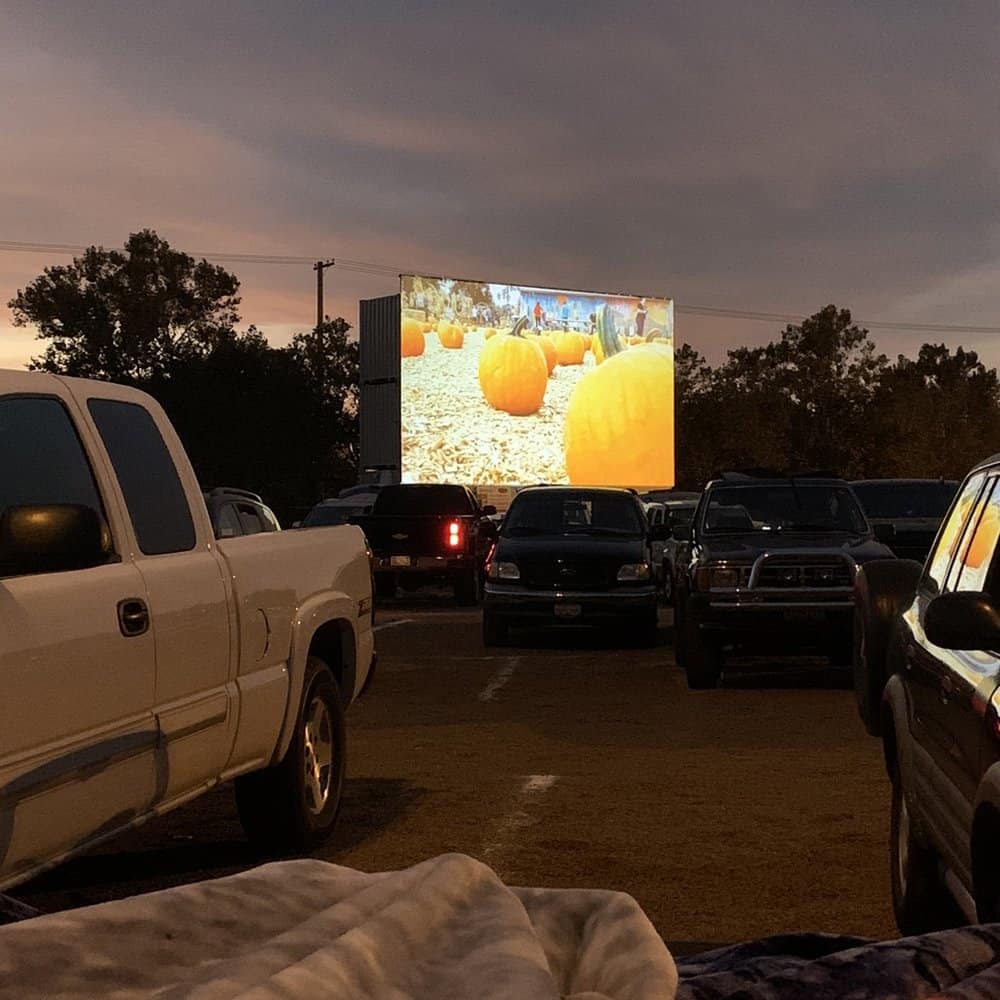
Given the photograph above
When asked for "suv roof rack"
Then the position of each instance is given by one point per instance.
(742, 475)
(219, 491)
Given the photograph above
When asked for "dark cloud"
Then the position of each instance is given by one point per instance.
(769, 155)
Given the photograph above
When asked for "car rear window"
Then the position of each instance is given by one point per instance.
(408, 500)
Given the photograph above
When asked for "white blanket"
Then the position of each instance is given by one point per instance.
(445, 928)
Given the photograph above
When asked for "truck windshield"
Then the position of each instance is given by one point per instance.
(785, 507)
(573, 512)
(897, 500)
(407, 500)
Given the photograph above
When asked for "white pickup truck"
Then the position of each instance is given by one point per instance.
(142, 661)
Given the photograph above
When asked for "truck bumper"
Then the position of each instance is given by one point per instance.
(566, 609)
(820, 624)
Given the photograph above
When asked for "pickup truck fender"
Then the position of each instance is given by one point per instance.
(326, 619)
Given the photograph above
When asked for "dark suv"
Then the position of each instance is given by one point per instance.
(767, 565)
(934, 632)
(911, 509)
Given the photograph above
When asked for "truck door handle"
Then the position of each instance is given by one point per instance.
(133, 617)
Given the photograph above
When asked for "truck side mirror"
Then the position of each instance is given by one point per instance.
(963, 620)
(51, 538)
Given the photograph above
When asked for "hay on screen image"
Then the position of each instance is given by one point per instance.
(511, 384)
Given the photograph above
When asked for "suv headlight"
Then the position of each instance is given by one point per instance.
(503, 571)
(634, 571)
(720, 577)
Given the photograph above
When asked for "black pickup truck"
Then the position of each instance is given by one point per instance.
(429, 533)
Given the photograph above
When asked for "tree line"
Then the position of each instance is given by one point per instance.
(821, 398)
(283, 422)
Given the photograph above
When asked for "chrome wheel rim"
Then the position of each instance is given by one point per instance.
(902, 843)
(317, 755)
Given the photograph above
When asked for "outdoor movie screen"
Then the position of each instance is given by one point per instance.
(512, 384)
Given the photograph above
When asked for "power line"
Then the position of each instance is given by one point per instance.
(376, 269)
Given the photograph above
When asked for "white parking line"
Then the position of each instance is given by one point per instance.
(393, 624)
(519, 818)
(500, 678)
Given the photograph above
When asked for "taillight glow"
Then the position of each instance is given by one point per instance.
(454, 536)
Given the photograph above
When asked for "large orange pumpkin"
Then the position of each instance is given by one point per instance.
(619, 427)
(450, 334)
(570, 347)
(411, 336)
(549, 350)
(513, 372)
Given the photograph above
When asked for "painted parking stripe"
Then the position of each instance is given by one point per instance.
(500, 678)
(519, 818)
(393, 624)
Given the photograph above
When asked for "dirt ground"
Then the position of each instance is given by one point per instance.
(755, 809)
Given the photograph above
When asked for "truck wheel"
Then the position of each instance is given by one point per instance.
(385, 584)
(467, 588)
(882, 591)
(668, 586)
(703, 660)
(495, 632)
(293, 805)
(920, 900)
(680, 645)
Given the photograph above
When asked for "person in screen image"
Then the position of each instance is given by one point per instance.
(539, 314)
(565, 315)
(640, 317)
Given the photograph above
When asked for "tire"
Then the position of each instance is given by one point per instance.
(495, 632)
(668, 586)
(292, 806)
(467, 588)
(680, 642)
(385, 585)
(882, 591)
(920, 901)
(703, 659)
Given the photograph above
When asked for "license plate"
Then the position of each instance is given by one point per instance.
(400, 561)
(567, 611)
(805, 615)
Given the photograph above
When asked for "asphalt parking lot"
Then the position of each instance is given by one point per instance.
(755, 809)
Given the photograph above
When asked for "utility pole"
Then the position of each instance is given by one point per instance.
(319, 267)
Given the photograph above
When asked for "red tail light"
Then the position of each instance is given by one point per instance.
(453, 538)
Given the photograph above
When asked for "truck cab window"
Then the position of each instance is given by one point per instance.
(42, 456)
(148, 477)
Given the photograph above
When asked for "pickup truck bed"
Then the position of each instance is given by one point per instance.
(142, 661)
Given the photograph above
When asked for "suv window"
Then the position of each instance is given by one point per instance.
(950, 534)
(42, 457)
(229, 522)
(786, 507)
(148, 477)
(407, 500)
(250, 519)
(980, 541)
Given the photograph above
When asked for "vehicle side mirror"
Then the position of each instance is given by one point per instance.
(489, 510)
(963, 620)
(659, 532)
(681, 532)
(51, 538)
(885, 533)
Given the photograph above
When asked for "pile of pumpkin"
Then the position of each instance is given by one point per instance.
(619, 421)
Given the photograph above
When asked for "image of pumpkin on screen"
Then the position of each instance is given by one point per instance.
(620, 419)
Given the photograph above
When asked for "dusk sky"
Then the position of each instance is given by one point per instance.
(766, 156)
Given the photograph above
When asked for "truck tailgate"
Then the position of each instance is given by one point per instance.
(415, 535)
